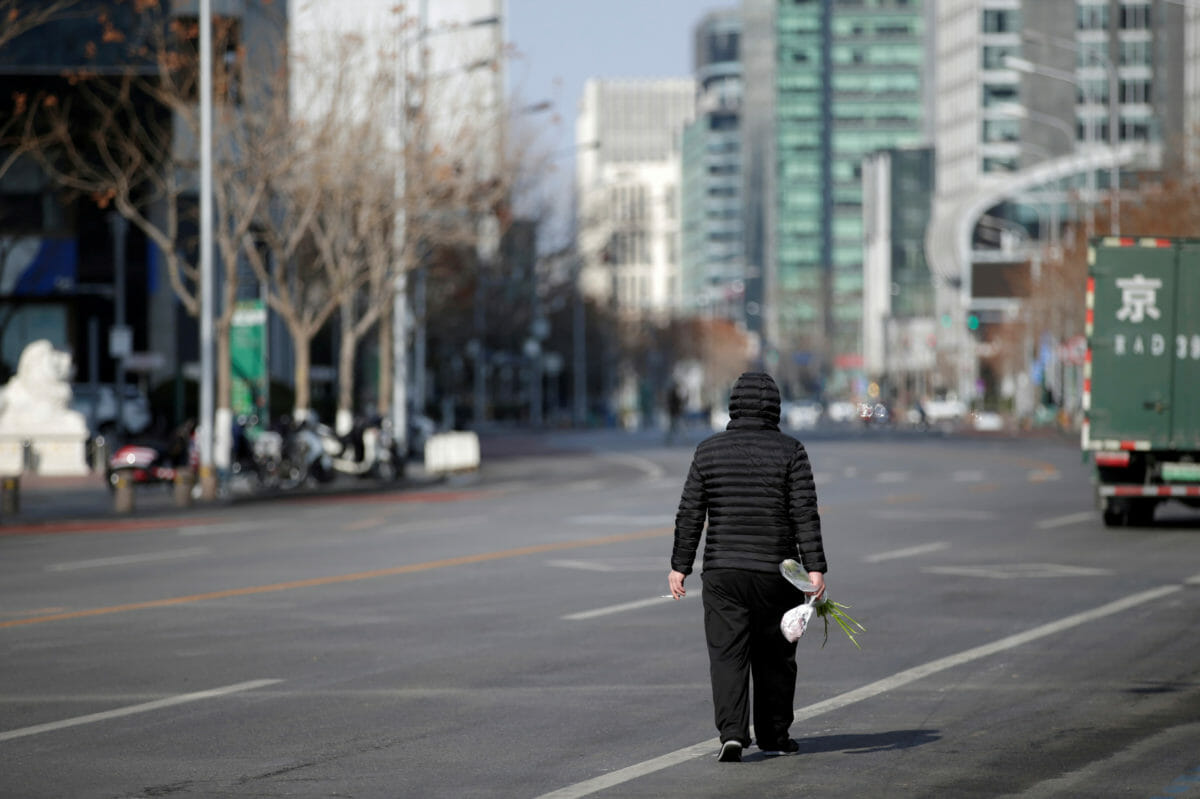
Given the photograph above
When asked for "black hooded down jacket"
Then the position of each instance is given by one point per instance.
(754, 485)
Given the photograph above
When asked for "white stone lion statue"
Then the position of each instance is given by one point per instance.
(37, 397)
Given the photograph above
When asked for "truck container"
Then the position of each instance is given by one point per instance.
(1141, 385)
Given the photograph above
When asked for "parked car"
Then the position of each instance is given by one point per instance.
(98, 404)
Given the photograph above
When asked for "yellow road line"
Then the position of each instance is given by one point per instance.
(411, 568)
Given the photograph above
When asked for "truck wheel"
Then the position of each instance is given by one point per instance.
(1141, 513)
(1112, 516)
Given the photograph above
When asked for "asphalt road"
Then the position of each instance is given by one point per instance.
(505, 637)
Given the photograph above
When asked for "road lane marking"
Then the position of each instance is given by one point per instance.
(651, 469)
(1044, 475)
(145, 707)
(895, 681)
(1064, 521)
(1018, 571)
(582, 565)
(966, 476)
(411, 568)
(920, 549)
(940, 514)
(123, 560)
(591, 614)
(592, 484)
(891, 477)
(220, 529)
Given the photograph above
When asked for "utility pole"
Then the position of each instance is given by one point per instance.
(208, 478)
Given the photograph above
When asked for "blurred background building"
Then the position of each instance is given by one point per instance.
(860, 197)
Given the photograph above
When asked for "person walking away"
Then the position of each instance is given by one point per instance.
(754, 486)
(674, 411)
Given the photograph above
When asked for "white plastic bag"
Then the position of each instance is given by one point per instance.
(795, 621)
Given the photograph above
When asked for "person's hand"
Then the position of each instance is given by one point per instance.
(675, 580)
(817, 579)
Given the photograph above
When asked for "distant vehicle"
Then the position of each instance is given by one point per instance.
(874, 413)
(842, 411)
(1141, 426)
(938, 411)
(987, 421)
(98, 404)
(800, 414)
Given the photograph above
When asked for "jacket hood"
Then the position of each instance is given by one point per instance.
(754, 397)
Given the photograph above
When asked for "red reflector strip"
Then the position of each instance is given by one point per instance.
(1150, 491)
(1112, 458)
(1156, 243)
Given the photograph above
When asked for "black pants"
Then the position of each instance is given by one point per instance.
(742, 610)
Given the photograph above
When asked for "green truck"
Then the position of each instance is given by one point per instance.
(1141, 386)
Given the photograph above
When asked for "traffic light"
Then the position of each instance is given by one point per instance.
(972, 322)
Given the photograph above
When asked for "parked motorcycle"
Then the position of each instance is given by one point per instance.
(257, 456)
(303, 457)
(367, 450)
(146, 462)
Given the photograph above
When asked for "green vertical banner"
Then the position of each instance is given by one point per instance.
(248, 356)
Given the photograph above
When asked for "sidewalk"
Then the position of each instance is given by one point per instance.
(46, 503)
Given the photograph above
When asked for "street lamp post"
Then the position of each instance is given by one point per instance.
(206, 425)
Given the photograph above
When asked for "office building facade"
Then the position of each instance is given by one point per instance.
(713, 265)
(629, 135)
(846, 80)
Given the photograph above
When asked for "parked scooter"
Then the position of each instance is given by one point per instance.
(303, 458)
(147, 462)
(368, 450)
(257, 456)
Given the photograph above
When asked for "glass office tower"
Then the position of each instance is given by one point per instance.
(848, 81)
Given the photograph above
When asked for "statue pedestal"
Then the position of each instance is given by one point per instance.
(52, 454)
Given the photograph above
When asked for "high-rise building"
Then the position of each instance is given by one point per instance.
(845, 80)
(713, 262)
(1041, 109)
(629, 136)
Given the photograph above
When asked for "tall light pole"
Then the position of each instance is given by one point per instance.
(207, 475)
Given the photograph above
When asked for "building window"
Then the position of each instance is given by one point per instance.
(1135, 91)
(1135, 54)
(1000, 21)
(1135, 17)
(1091, 18)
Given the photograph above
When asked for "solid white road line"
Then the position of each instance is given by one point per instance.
(897, 680)
(217, 529)
(170, 701)
(920, 549)
(648, 467)
(582, 565)
(591, 614)
(1064, 521)
(123, 560)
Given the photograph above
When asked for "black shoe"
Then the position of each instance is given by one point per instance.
(731, 752)
(787, 747)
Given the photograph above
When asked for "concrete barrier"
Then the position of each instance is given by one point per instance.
(448, 453)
